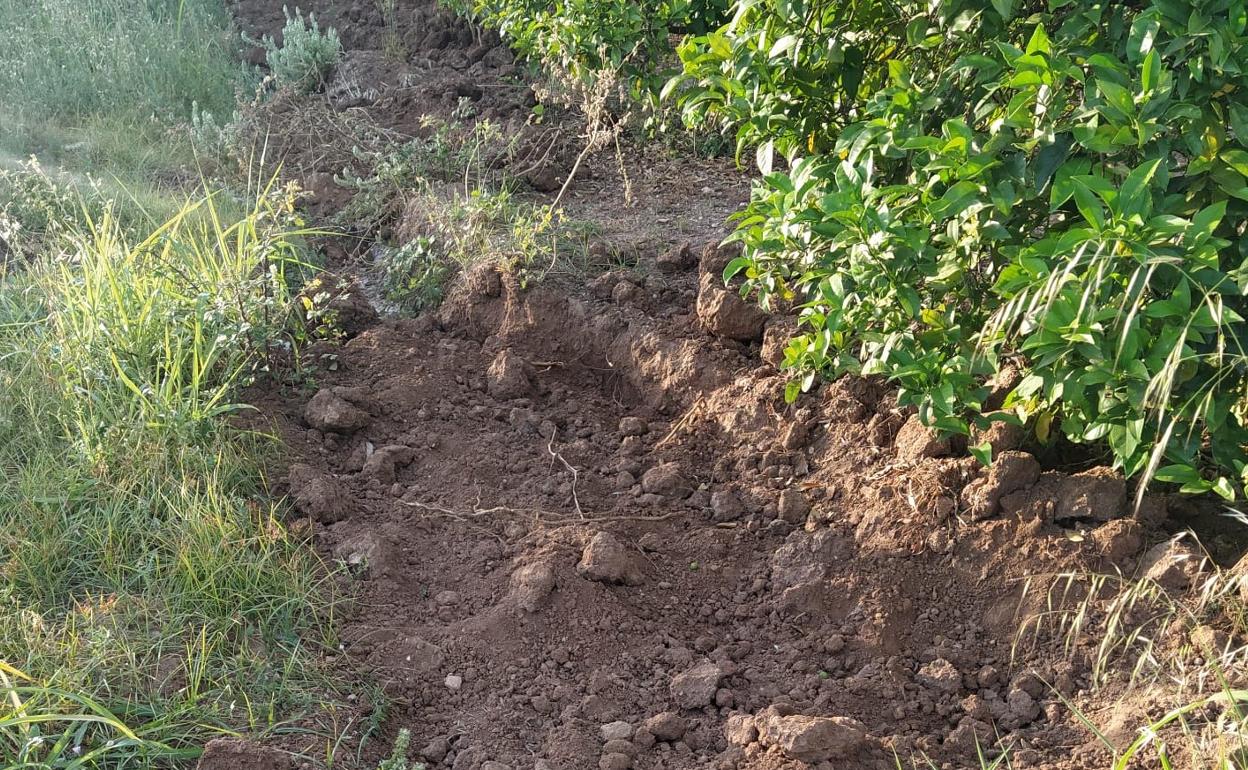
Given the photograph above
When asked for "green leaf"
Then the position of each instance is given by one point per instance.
(1236, 159)
(1005, 8)
(1050, 159)
(982, 452)
(1150, 71)
(1039, 42)
(735, 266)
(1222, 485)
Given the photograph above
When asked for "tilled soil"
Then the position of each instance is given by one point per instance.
(584, 530)
(567, 512)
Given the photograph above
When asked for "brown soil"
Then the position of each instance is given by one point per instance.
(583, 529)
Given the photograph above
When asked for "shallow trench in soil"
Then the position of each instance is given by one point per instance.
(582, 529)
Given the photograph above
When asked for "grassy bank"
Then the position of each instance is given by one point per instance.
(143, 578)
(150, 596)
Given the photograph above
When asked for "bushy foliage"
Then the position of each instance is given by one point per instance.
(1056, 186)
(414, 274)
(306, 54)
(587, 37)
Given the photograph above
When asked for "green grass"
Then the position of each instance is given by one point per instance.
(150, 596)
(103, 89)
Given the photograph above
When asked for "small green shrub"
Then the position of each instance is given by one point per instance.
(306, 55)
(34, 204)
(414, 274)
(588, 37)
(398, 757)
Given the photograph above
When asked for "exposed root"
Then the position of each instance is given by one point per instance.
(544, 517)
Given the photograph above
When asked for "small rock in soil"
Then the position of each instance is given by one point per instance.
(726, 506)
(607, 560)
(1174, 565)
(531, 584)
(1010, 472)
(916, 441)
(509, 376)
(317, 494)
(436, 749)
(696, 687)
(633, 426)
(725, 314)
(1119, 540)
(666, 480)
(1099, 494)
(382, 463)
(616, 731)
(811, 739)
(368, 555)
(494, 766)
(615, 762)
(327, 411)
(740, 729)
(666, 726)
(238, 754)
(619, 746)
(792, 506)
(940, 675)
(453, 682)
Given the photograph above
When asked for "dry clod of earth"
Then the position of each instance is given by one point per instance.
(369, 555)
(792, 506)
(618, 730)
(666, 726)
(633, 426)
(941, 675)
(1000, 435)
(725, 314)
(777, 334)
(1174, 565)
(383, 463)
(607, 560)
(509, 376)
(317, 494)
(531, 583)
(676, 259)
(811, 739)
(327, 411)
(1119, 540)
(740, 729)
(238, 754)
(1099, 493)
(726, 505)
(666, 480)
(1010, 472)
(615, 762)
(916, 441)
(696, 686)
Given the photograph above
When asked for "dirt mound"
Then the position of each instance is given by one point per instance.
(582, 528)
(611, 544)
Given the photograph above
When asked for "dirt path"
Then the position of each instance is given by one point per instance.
(585, 530)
